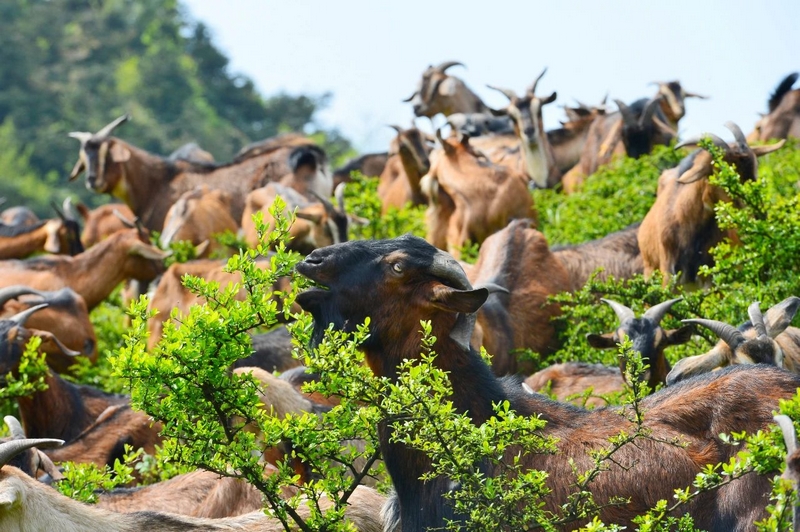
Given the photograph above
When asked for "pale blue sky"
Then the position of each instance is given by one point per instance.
(370, 54)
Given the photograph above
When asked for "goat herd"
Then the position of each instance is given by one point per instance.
(475, 183)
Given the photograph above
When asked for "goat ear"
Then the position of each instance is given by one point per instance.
(679, 336)
(454, 300)
(52, 244)
(551, 98)
(201, 248)
(695, 173)
(119, 153)
(696, 365)
(78, 169)
(601, 341)
(448, 87)
(779, 316)
(9, 495)
(51, 344)
(763, 150)
(499, 112)
(313, 218)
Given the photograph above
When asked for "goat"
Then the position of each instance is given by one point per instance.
(66, 317)
(64, 409)
(438, 92)
(792, 470)
(94, 273)
(197, 216)
(568, 141)
(192, 152)
(399, 183)
(470, 197)
(56, 235)
(433, 287)
(27, 506)
(18, 216)
(171, 294)
(103, 442)
(102, 222)
(150, 184)
(783, 117)
(33, 460)
(369, 165)
(672, 105)
(538, 159)
(633, 130)
(649, 340)
(517, 259)
(766, 339)
(680, 228)
(617, 254)
(318, 223)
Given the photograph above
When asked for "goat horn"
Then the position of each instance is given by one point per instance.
(447, 268)
(339, 195)
(727, 333)
(623, 313)
(718, 142)
(12, 292)
(624, 110)
(447, 64)
(10, 449)
(657, 312)
(21, 317)
(649, 110)
(82, 136)
(104, 133)
(69, 210)
(741, 140)
(122, 218)
(14, 427)
(396, 128)
(532, 90)
(508, 93)
(789, 434)
(47, 465)
(410, 97)
(757, 319)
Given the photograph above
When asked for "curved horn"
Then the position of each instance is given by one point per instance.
(508, 93)
(757, 319)
(623, 313)
(532, 89)
(14, 427)
(657, 312)
(325, 201)
(410, 97)
(12, 292)
(727, 333)
(649, 110)
(69, 210)
(124, 220)
(104, 133)
(396, 128)
(447, 268)
(447, 64)
(21, 317)
(789, 434)
(82, 136)
(339, 195)
(625, 111)
(10, 449)
(718, 142)
(741, 140)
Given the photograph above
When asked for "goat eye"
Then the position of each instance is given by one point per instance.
(397, 268)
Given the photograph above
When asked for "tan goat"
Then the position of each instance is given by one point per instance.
(197, 217)
(408, 162)
(783, 118)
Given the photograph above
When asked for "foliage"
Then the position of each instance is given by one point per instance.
(81, 481)
(26, 380)
(361, 199)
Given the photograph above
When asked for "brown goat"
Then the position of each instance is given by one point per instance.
(649, 339)
(32, 506)
(317, 224)
(433, 287)
(197, 217)
(617, 254)
(438, 92)
(399, 182)
(103, 442)
(171, 294)
(369, 165)
(33, 460)
(766, 339)
(537, 156)
(517, 259)
(470, 197)
(57, 235)
(102, 222)
(94, 273)
(65, 316)
(783, 118)
(680, 228)
(150, 184)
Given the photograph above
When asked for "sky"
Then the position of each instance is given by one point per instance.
(370, 54)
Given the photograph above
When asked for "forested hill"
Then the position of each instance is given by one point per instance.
(68, 65)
